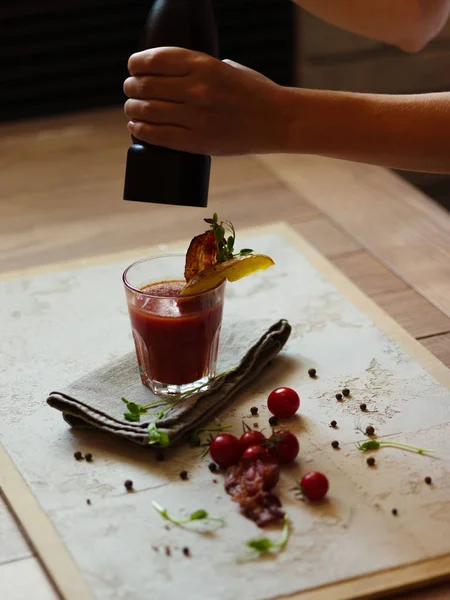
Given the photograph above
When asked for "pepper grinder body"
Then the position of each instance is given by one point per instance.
(154, 173)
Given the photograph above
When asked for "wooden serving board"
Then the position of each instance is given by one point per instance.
(61, 322)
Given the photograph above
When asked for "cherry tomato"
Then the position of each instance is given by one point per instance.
(225, 450)
(284, 446)
(314, 485)
(253, 453)
(251, 438)
(283, 402)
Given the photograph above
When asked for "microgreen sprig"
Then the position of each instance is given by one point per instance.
(136, 410)
(262, 546)
(372, 444)
(225, 243)
(196, 440)
(199, 520)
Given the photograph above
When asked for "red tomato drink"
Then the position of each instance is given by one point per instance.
(176, 338)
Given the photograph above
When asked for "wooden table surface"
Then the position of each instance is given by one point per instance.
(61, 198)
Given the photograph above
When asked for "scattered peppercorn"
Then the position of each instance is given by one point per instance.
(88, 457)
(363, 406)
(212, 467)
(394, 512)
(335, 444)
(338, 396)
(254, 410)
(155, 548)
(214, 480)
(184, 475)
(428, 480)
(160, 456)
(255, 425)
(168, 551)
(346, 392)
(333, 423)
(186, 551)
(370, 461)
(128, 485)
(88, 502)
(370, 430)
(273, 421)
(312, 372)
(78, 455)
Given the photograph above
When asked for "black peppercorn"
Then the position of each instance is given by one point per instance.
(273, 421)
(128, 485)
(363, 406)
(255, 425)
(254, 410)
(338, 396)
(212, 467)
(333, 423)
(346, 392)
(394, 512)
(168, 551)
(186, 551)
(370, 430)
(312, 372)
(160, 456)
(183, 475)
(214, 480)
(335, 444)
(88, 457)
(428, 480)
(370, 461)
(78, 455)
(88, 501)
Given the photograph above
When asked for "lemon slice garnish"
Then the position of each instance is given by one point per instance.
(232, 270)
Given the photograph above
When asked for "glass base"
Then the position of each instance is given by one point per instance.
(167, 390)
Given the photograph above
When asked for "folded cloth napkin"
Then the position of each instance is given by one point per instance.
(95, 400)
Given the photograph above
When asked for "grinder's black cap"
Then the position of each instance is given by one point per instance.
(164, 176)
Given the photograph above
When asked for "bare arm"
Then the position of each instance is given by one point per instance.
(192, 102)
(408, 24)
(404, 132)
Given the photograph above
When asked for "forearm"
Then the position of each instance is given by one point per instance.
(409, 24)
(401, 132)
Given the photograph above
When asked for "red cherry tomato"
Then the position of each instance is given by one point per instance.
(283, 402)
(314, 485)
(251, 438)
(284, 446)
(253, 453)
(225, 450)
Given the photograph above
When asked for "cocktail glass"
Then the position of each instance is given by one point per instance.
(176, 337)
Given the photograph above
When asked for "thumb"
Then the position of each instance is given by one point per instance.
(244, 69)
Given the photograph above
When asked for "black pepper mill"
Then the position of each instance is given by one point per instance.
(157, 174)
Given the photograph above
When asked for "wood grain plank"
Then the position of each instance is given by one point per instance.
(439, 345)
(400, 226)
(25, 579)
(43, 231)
(368, 274)
(325, 236)
(413, 312)
(13, 545)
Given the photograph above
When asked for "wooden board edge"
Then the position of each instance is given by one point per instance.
(379, 585)
(368, 306)
(43, 537)
(52, 551)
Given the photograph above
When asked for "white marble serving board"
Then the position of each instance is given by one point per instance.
(58, 326)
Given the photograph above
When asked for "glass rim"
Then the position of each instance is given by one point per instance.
(163, 255)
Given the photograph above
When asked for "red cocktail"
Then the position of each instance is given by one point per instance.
(176, 337)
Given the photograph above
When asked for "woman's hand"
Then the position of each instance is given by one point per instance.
(190, 101)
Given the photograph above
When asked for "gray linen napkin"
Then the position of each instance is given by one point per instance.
(95, 400)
